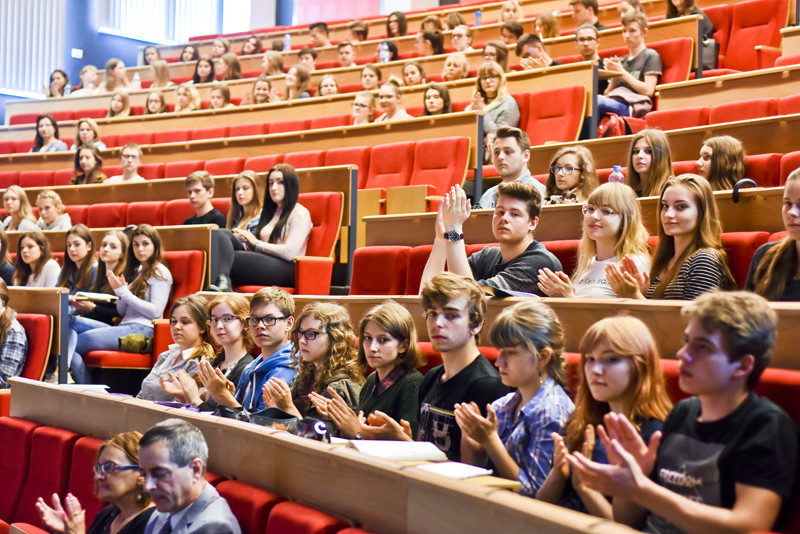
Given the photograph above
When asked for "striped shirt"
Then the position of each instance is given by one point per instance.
(702, 271)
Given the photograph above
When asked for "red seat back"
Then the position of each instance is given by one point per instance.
(676, 58)
(172, 136)
(78, 213)
(107, 215)
(789, 105)
(555, 115)
(326, 210)
(306, 159)
(390, 165)
(39, 331)
(224, 166)
(147, 212)
(430, 168)
(289, 125)
(23, 118)
(566, 250)
(356, 155)
(210, 132)
(64, 176)
(754, 22)
(248, 128)
(182, 169)
(140, 138)
(8, 147)
(740, 247)
(62, 115)
(721, 17)
(96, 113)
(250, 505)
(743, 110)
(151, 171)
(764, 169)
(789, 162)
(36, 178)
(789, 59)
(8, 178)
(380, 270)
(262, 163)
(296, 518)
(176, 211)
(330, 121)
(188, 273)
(417, 258)
(673, 119)
(81, 475)
(15, 435)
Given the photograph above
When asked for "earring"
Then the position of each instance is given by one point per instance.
(139, 494)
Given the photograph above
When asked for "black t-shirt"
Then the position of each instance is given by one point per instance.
(479, 382)
(212, 217)
(755, 445)
(517, 274)
(792, 290)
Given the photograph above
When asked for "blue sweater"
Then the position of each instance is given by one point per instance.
(279, 364)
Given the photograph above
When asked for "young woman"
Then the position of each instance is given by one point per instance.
(620, 372)
(20, 215)
(396, 25)
(220, 96)
(261, 93)
(496, 51)
(117, 481)
(297, 81)
(431, 23)
(516, 433)
(6, 268)
(429, 43)
(87, 133)
(13, 340)
(775, 271)
(413, 74)
(58, 81)
(155, 103)
(35, 266)
(252, 46)
(51, 212)
(116, 77)
(204, 71)
(88, 85)
(120, 105)
(88, 166)
(188, 324)
(389, 100)
(228, 67)
(511, 11)
(370, 77)
(453, 19)
(546, 26)
(387, 344)
(186, 98)
(491, 96)
(721, 162)
(325, 357)
(327, 86)
(612, 229)
(151, 54)
(80, 266)
(649, 162)
(112, 260)
(682, 8)
(436, 100)
(189, 53)
(572, 177)
(689, 259)
(364, 108)
(456, 67)
(272, 64)
(46, 139)
(245, 201)
(160, 73)
(220, 47)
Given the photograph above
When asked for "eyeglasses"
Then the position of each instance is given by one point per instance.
(567, 170)
(491, 77)
(603, 211)
(109, 467)
(359, 105)
(129, 156)
(267, 320)
(226, 319)
(310, 335)
(586, 39)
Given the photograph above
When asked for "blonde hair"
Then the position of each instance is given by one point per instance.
(461, 61)
(195, 98)
(160, 74)
(92, 124)
(49, 194)
(491, 68)
(588, 180)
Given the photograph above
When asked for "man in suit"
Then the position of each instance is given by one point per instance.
(173, 456)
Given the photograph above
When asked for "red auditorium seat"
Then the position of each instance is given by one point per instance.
(379, 270)
(676, 56)
(743, 110)
(721, 17)
(151, 171)
(107, 215)
(182, 169)
(789, 59)
(171, 136)
(39, 330)
(353, 87)
(417, 258)
(223, 204)
(148, 212)
(23, 118)
(8, 178)
(764, 169)
(390, 165)
(209, 132)
(262, 163)
(295, 518)
(248, 128)
(64, 176)
(566, 250)
(10, 147)
(78, 213)
(330, 121)
(250, 505)
(176, 211)
(24, 146)
(523, 103)
(212, 478)
(97, 113)
(112, 170)
(137, 110)
(13, 461)
(432, 169)
(111, 140)
(36, 178)
(789, 162)
(674, 119)
(740, 247)
(555, 115)
(753, 22)
(140, 138)
(81, 475)
(289, 125)
(682, 167)
(306, 159)
(415, 111)
(356, 155)
(63, 115)
(789, 105)
(224, 166)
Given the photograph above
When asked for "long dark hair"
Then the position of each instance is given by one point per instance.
(94, 176)
(38, 142)
(71, 273)
(23, 270)
(140, 283)
(291, 185)
(101, 284)
(211, 77)
(443, 92)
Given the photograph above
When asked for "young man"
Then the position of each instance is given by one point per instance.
(631, 94)
(511, 150)
(130, 157)
(585, 11)
(510, 32)
(727, 459)
(200, 189)
(172, 458)
(358, 31)
(530, 50)
(454, 313)
(307, 57)
(510, 267)
(319, 34)
(347, 54)
(461, 38)
(587, 41)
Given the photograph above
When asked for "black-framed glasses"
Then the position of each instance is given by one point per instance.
(226, 319)
(310, 335)
(567, 170)
(109, 467)
(266, 320)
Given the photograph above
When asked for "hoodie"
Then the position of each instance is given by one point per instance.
(279, 364)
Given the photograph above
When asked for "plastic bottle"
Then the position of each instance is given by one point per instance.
(90, 87)
(616, 176)
(383, 53)
(68, 89)
(137, 81)
(287, 41)
(478, 17)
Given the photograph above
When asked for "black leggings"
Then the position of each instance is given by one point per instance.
(250, 268)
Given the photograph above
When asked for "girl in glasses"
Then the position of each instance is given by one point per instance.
(325, 357)
(572, 177)
(118, 482)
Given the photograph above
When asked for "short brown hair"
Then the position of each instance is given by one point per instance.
(522, 138)
(525, 192)
(635, 16)
(588, 4)
(132, 146)
(201, 177)
(274, 295)
(447, 286)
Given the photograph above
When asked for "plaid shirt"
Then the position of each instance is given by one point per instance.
(391, 379)
(528, 438)
(13, 353)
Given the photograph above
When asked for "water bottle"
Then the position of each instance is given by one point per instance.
(383, 53)
(616, 176)
(90, 87)
(478, 17)
(68, 89)
(287, 42)
(137, 81)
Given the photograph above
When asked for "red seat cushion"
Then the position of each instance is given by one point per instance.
(673, 119)
(250, 505)
(306, 159)
(430, 168)
(107, 215)
(16, 435)
(150, 212)
(296, 518)
(182, 169)
(262, 163)
(39, 331)
(380, 270)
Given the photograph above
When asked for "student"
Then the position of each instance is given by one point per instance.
(436, 100)
(112, 260)
(497, 52)
(689, 259)
(727, 458)
(200, 189)
(461, 38)
(80, 265)
(13, 340)
(511, 10)
(456, 67)
(272, 64)
(6, 268)
(88, 166)
(364, 108)
(160, 73)
(220, 96)
(721, 162)
(318, 32)
(186, 98)
(87, 133)
(325, 358)
(516, 434)
(151, 54)
(307, 58)
(625, 5)
(189, 53)
(34, 265)
(297, 82)
(585, 12)
(370, 77)
(452, 20)
(347, 54)
(774, 271)
(58, 81)
(587, 41)
(510, 152)
(631, 93)
(120, 105)
(252, 46)
(413, 74)
(327, 86)
(358, 31)
(649, 162)
(429, 43)
(612, 230)
(509, 267)
(510, 32)
(130, 157)
(228, 67)
(88, 85)
(204, 71)
(245, 201)
(220, 47)
(532, 54)
(572, 177)
(155, 103)
(389, 100)
(454, 313)
(116, 78)
(619, 372)
(388, 344)
(431, 23)
(396, 24)
(261, 93)
(491, 96)
(20, 215)
(683, 8)
(46, 139)
(51, 212)
(546, 26)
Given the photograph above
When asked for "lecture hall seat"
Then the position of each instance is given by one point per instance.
(743, 110)
(289, 125)
(380, 270)
(13, 462)
(740, 247)
(64, 176)
(172, 136)
(566, 250)
(306, 159)
(24, 147)
(182, 169)
(140, 138)
(295, 518)
(224, 166)
(78, 213)
(248, 128)
(356, 155)
(560, 119)
(789, 59)
(262, 163)
(39, 331)
(432, 169)
(81, 475)
(146, 212)
(721, 17)
(107, 215)
(789, 162)
(390, 165)
(8, 178)
(764, 169)
(251, 505)
(36, 178)
(330, 121)
(209, 132)
(23, 118)
(753, 22)
(417, 258)
(789, 105)
(8, 147)
(674, 119)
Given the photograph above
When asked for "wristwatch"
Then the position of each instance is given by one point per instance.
(453, 236)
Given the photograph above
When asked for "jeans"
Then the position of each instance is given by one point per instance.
(607, 104)
(87, 335)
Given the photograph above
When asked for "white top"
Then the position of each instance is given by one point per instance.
(119, 179)
(400, 115)
(594, 284)
(47, 278)
(294, 240)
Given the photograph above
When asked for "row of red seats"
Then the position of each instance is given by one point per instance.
(397, 270)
